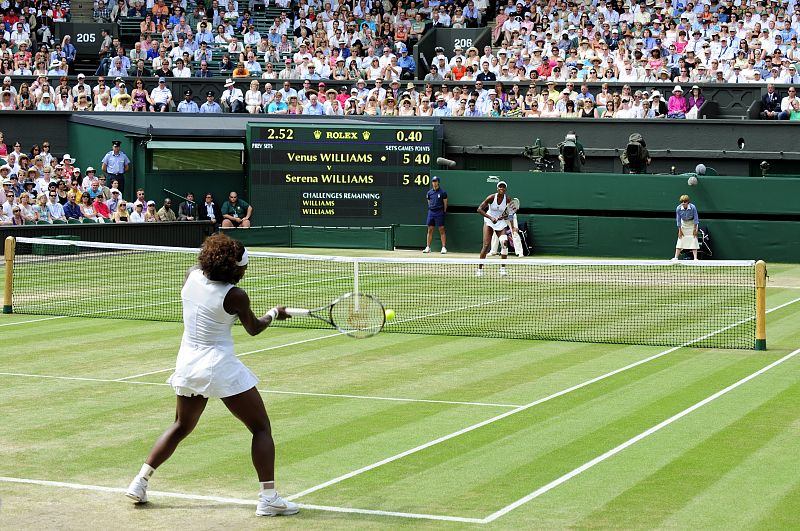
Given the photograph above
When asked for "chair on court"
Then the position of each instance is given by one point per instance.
(73, 220)
(59, 222)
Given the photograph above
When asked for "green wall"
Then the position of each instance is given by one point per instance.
(773, 241)
(585, 214)
(618, 192)
(308, 236)
(90, 144)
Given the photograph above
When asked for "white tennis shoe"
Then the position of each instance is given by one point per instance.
(444, 250)
(275, 506)
(137, 490)
(426, 250)
(503, 271)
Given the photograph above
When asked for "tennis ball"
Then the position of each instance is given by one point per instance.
(389, 315)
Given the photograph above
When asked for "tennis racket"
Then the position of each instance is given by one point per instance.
(511, 208)
(355, 314)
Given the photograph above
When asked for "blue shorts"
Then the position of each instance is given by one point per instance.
(435, 218)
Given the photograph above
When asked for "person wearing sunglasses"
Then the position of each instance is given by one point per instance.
(54, 208)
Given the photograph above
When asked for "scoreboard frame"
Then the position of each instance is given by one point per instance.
(340, 174)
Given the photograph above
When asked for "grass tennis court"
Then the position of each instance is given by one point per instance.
(408, 430)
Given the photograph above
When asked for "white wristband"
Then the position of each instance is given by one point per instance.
(273, 314)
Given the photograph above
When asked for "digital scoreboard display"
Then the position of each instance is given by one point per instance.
(333, 174)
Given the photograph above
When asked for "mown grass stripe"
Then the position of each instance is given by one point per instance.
(610, 453)
(600, 426)
(674, 485)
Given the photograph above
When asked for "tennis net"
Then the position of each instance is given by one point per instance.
(706, 303)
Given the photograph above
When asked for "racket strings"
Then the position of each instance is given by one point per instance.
(358, 315)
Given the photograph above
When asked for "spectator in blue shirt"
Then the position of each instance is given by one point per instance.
(278, 106)
(72, 210)
(441, 108)
(45, 104)
(188, 104)
(584, 94)
(204, 35)
(406, 63)
(210, 106)
(314, 107)
(688, 223)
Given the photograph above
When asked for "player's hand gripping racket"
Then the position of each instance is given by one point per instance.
(355, 314)
(511, 208)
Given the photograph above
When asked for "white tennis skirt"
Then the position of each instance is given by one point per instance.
(500, 225)
(212, 372)
(688, 240)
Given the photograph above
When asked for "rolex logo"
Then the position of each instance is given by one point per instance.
(366, 135)
(317, 134)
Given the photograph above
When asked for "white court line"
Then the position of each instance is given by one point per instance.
(633, 440)
(322, 337)
(520, 409)
(272, 392)
(37, 320)
(82, 314)
(238, 501)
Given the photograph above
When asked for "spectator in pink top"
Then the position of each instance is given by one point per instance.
(677, 106)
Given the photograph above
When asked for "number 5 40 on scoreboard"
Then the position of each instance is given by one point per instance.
(420, 159)
(418, 179)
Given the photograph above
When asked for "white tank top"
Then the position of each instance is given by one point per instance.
(496, 209)
(205, 321)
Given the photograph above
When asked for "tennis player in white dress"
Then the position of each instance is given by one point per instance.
(688, 222)
(492, 210)
(207, 367)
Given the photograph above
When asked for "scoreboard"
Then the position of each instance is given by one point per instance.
(338, 175)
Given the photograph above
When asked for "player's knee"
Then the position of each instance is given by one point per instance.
(182, 428)
(504, 240)
(260, 427)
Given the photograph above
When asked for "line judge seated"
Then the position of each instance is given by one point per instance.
(236, 212)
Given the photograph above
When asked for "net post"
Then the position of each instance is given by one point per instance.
(761, 306)
(10, 248)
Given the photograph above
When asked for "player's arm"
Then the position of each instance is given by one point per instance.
(444, 201)
(237, 302)
(484, 208)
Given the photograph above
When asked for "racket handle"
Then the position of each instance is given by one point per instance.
(295, 312)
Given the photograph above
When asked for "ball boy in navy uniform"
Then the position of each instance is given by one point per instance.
(437, 207)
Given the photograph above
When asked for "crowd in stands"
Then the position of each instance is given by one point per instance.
(40, 188)
(364, 42)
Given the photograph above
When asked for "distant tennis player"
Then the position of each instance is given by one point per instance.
(208, 368)
(492, 210)
(513, 225)
(688, 222)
